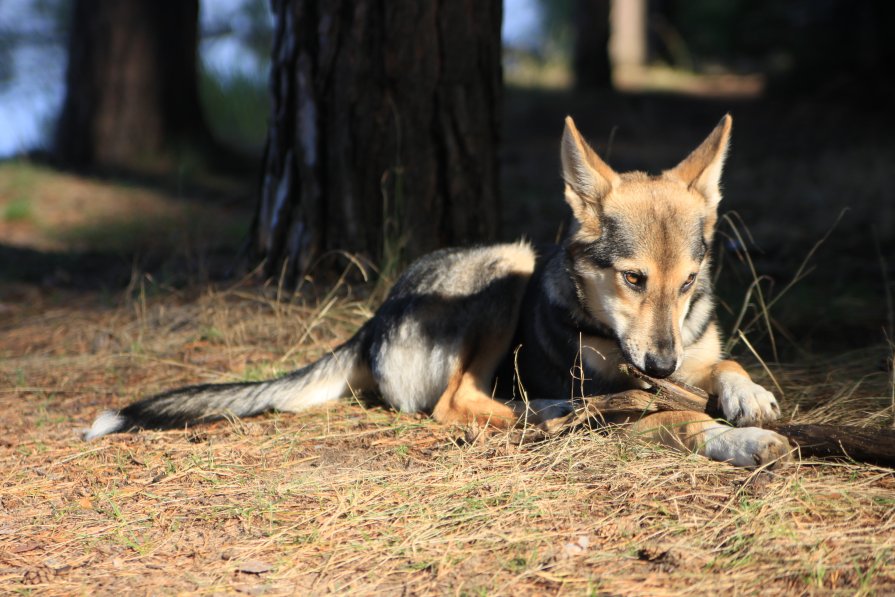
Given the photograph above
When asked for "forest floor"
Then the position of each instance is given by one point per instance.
(356, 498)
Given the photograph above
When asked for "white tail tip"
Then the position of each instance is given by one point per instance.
(108, 422)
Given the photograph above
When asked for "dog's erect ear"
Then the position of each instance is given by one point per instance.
(588, 178)
(701, 170)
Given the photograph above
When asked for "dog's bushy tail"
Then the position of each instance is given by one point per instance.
(329, 378)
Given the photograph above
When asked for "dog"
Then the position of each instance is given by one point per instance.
(463, 329)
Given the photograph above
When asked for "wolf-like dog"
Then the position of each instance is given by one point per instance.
(462, 329)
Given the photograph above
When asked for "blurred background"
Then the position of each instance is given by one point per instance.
(181, 189)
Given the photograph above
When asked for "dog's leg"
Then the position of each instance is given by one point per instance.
(465, 403)
(467, 399)
(697, 432)
(744, 402)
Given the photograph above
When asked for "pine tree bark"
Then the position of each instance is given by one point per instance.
(131, 83)
(383, 131)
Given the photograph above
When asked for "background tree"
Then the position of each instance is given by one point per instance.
(590, 58)
(131, 83)
(384, 126)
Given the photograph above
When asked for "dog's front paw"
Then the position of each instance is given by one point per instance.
(750, 447)
(744, 402)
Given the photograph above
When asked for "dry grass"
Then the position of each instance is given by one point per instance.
(357, 498)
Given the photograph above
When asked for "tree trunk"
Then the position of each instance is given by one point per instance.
(383, 131)
(132, 86)
(628, 41)
(591, 51)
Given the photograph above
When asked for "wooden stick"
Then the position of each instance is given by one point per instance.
(629, 402)
(844, 442)
(689, 397)
(871, 445)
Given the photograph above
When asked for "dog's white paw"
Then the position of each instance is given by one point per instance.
(744, 402)
(746, 446)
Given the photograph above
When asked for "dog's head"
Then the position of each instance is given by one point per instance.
(639, 245)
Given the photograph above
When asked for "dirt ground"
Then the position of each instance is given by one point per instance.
(355, 498)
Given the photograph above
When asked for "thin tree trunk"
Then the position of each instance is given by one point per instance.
(591, 52)
(383, 132)
(628, 41)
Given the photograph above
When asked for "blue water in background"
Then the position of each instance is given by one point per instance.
(33, 59)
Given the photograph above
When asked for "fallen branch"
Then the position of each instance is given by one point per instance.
(860, 444)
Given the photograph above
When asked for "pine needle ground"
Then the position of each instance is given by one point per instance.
(356, 498)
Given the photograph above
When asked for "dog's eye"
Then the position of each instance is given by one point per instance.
(690, 279)
(635, 280)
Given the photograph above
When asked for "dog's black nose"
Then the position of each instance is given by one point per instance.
(659, 366)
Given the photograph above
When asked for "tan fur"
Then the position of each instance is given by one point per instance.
(585, 173)
(701, 366)
(700, 360)
(465, 403)
(661, 216)
(658, 212)
(519, 257)
(698, 433)
(467, 398)
(681, 430)
(669, 221)
(701, 170)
